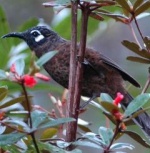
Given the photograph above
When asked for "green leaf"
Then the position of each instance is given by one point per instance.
(106, 97)
(136, 104)
(137, 4)
(17, 114)
(63, 144)
(138, 59)
(87, 144)
(3, 89)
(18, 122)
(3, 93)
(122, 146)
(12, 148)
(127, 120)
(109, 107)
(136, 49)
(84, 128)
(49, 147)
(137, 138)
(3, 74)
(11, 138)
(110, 117)
(106, 134)
(19, 66)
(12, 102)
(93, 138)
(5, 44)
(45, 58)
(49, 133)
(142, 8)
(56, 122)
(38, 118)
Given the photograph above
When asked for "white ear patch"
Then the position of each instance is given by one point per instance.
(37, 35)
(39, 38)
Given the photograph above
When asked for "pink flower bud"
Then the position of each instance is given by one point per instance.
(42, 77)
(118, 99)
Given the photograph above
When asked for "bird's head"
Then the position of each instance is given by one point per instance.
(36, 36)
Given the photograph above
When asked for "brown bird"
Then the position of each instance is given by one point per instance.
(101, 74)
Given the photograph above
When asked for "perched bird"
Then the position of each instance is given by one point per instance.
(100, 75)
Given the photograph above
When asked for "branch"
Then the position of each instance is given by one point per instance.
(71, 126)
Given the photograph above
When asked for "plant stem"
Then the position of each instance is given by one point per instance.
(79, 74)
(138, 28)
(134, 35)
(28, 103)
(71, 126)
(35, 143)
(114, 136)
(30, 118)
(76, 69)
(147, 84)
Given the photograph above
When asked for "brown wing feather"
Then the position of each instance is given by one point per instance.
(124, 74)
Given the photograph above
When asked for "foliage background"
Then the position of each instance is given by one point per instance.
(105, 37)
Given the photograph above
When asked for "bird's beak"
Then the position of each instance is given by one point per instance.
(14, 34)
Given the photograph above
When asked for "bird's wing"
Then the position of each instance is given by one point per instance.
(89, 65)
(124, 74)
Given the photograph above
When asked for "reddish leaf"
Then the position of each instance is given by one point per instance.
(124, 5)
(96, 16)
(137, 4)
(138, 59)
(142, 8)
(136, 49)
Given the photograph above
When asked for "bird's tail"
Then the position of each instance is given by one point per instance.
(142, 120)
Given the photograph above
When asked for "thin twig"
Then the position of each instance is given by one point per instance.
(138, 28)
(134, 35)
(147, 84)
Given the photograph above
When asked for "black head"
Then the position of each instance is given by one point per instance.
(36, 36)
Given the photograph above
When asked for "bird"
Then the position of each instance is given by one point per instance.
(100, 73)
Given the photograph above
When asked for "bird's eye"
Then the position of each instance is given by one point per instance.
(35, 34)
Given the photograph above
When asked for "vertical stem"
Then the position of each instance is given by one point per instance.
(35, 143)
(70, 132)
(28, 103)
(75, 84)
(30, 119)
(79, 73)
